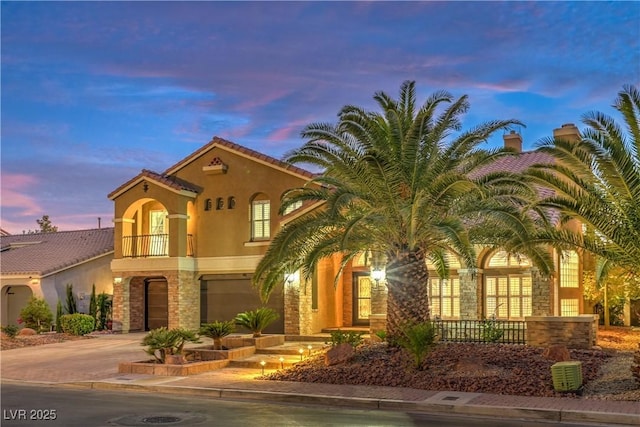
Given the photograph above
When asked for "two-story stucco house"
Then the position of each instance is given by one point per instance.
(187, 242)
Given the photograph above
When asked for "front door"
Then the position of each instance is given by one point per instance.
(156, 304)
(361, 298)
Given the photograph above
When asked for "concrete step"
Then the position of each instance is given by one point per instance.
(271, 361)
(294, 348)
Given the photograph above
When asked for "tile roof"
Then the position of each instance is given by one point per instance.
(44, 253)
(169, 181)
(516, 163)
(219, 142)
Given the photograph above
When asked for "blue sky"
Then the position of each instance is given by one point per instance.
(92, 92)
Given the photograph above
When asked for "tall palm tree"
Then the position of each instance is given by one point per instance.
(596, 180)
(398, 184)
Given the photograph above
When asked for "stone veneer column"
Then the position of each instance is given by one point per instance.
(540, 294)
(184, 300)
(291, 309)
(304, 309)
(470, 278)
(121, 306)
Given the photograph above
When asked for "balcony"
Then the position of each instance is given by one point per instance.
(150, 245)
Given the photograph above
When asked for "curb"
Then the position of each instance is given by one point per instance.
(549, 415)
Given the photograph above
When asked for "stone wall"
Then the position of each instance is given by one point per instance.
(572, 332)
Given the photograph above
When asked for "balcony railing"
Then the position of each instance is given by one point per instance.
(150, 245)
(482, 331)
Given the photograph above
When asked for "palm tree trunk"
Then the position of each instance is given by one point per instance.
(408, 298)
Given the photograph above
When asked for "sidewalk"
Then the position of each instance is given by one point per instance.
(93, 364)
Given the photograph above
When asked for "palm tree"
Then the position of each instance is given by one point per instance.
(392, 184)
(596, 180)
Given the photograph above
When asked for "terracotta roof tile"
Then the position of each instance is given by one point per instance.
(44, 253)
(216, 141)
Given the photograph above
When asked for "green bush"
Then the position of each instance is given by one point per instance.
(10, 330)
(71, 307)
(339, 337)
(59, 314)
(382, 335)
(491, 330)
(103, 315)
(418, 339)
(37, 315)
(77, 324)
(216, 331)
(162, 342)
(256, 321)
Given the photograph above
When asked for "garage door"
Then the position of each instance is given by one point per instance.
(222, 297)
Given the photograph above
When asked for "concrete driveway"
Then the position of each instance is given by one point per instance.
(70, 361)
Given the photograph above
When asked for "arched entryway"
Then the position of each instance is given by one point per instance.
(14, 299)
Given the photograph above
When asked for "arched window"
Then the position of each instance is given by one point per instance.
(207, 205)
(231, 202)
(508, 286)
(219, 203)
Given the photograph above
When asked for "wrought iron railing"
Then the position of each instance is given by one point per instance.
(482, 331)
(150, 245)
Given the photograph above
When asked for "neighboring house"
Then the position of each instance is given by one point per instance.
(43, 264)
(187, 242)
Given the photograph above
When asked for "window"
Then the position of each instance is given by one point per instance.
(445, 297)
(158, 243)
(207, 205)
(452, 261)
(219, 203)
(292, 208)
(508, 297)
(260, 219)
(569, 266)
(231, 202)
(569, 307)
(503, 259)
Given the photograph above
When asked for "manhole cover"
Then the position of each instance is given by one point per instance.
(172, 419)
(160, 420)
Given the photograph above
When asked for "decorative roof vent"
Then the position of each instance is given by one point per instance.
(216, 166)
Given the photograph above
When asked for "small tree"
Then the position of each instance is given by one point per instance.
(418, 339)
(93, 306)
(104, 304)
(216, 331)
(70, 306)
(59, 314)
(256, 321)
(37, 315)
(162, 342)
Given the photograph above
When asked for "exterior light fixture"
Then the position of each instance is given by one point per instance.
(291, 278)
(301, 351)
(281, 362)
(309, 348)
(377, 275)
(262, 363)
(117, 280)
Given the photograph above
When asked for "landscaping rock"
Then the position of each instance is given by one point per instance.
(338, 354)
(557, 353)
(25, 332)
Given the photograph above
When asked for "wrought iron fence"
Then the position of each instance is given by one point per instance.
(482, 331)
(150, 245)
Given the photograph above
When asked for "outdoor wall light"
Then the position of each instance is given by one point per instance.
(117, 280)
(291, 278)
(377, 275)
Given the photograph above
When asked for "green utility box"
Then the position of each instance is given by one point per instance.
(567, 376)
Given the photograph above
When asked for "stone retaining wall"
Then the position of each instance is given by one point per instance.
(572, 332)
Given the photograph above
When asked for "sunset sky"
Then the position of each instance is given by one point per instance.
(93, 92)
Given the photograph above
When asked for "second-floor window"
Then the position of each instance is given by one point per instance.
(260, 219)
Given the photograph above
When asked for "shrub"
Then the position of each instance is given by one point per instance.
(59, 314)
(339, 337)
(418, 339)
(37, 315)
(71, 306)
(10, 330)
(162, 342)
(103, 315)
(216, 331)
(256, 321)
(93, 305)
(635, 366)
(77, 324)
(382, 335)
(490, 330)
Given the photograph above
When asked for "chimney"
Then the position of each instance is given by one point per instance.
(513, 140)
(568, 132)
